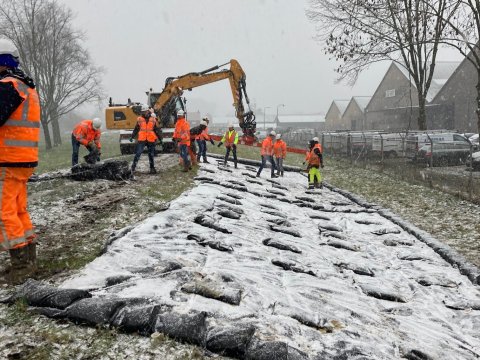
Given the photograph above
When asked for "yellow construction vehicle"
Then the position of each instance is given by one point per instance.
(167, 102)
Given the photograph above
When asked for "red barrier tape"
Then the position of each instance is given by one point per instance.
(259, 144)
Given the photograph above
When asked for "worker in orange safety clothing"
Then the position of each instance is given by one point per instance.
(202, 141)
(267, 154)
(19, 136)
(87, 133)
(148, 132)
(315, 161)
(230, 139)
(181, 134)
(280, 152)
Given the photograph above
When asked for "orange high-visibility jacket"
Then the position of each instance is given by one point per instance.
(182, 131)
(147, 129)
(20, 134)
(267, 146)
(204, 135)
(280, 149)
(314, 159)
(230, 138)
(85, 133)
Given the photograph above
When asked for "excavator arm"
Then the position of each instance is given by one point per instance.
(165, 102)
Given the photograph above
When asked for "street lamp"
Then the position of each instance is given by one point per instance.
(264, 125)
(282, 105)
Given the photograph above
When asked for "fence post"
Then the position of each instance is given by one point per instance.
(470, 178)
(431, 151)
(364, 150)
(382, 154)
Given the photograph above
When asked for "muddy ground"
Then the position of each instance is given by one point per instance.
(73, 222)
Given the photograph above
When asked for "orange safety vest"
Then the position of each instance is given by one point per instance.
(20, 134)
(313, 159)
(267, 146)
(85, 133)
(182, 131)
(280, 149)
(147, 132)
(230, 137)
(204, 135)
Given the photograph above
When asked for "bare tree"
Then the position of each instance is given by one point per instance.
(359, 33)
(51, 52)
(463, 33)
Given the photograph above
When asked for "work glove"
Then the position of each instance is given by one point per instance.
(212, 142)
(304, 163)
(131, 139)
(219, 144)
(91, 146)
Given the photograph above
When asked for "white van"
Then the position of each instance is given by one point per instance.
(418, 140)
(393, 144)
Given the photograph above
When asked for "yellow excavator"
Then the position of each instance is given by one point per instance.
(167, 102)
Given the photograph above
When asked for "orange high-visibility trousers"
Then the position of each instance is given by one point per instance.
(16, 229)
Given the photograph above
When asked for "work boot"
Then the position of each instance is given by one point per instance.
(205, 161)
(235, 163)
(32, 253)
(281, 173)
(153, 170)
(311, 186)
(186, 167)
(274, 176)
(22, 264)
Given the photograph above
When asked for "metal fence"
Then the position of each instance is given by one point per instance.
(438, 159)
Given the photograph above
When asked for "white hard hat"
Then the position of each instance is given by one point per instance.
(206, 118)
(153, 114)
(203, 122)
(315, 139)
(144, 107)
(97, 123)
(180, 113)
(273, 133)
(7, 47)
(279, 136)
(230, 125)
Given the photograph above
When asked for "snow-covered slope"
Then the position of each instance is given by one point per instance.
(307, 274)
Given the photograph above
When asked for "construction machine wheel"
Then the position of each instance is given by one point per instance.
(126, 149)
(169, 147)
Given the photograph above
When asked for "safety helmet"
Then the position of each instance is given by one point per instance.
(206, 119)
(153, 114)
(8, 53)
(315, 139)
(203, 122)
(273, 133)
(97, 123)
(180, 113)
(230, 125)
(278, 136)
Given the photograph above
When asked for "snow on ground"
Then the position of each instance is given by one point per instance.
(313, 270)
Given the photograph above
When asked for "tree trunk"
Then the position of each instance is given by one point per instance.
(46, 135)
(57, 137)
(477, 110)
(422, 116)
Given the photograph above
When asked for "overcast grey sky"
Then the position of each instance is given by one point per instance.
(141, 42)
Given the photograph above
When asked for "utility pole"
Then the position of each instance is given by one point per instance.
(264, 125)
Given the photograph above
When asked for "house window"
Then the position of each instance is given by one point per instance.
(390, 93)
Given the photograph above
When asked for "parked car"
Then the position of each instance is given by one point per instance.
(474, 139)
(416, 141)
(474, 161)
(445, 153)
(392, 144)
